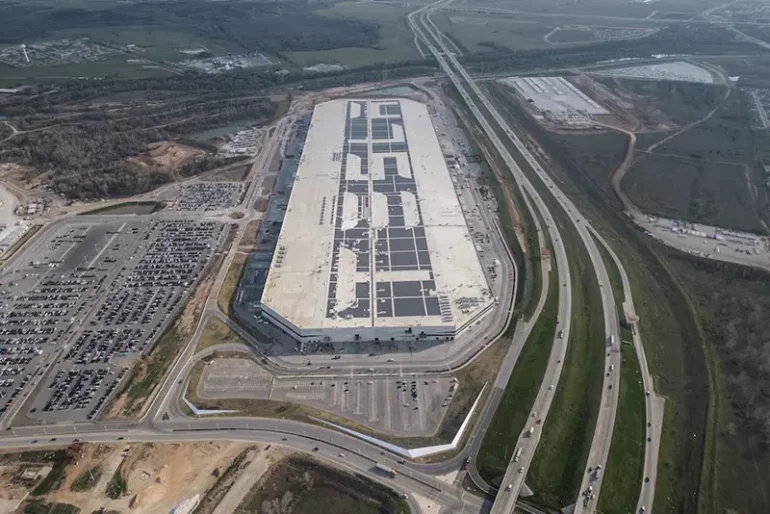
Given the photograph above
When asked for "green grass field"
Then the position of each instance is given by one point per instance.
(558, 463)
(127, 208)
(557, 467)
(673, 346)
(217, 333)
(622, 479)
(161, 44)
(693, 190)
(59, 459)
(396, 40)
(37, 507)
(117, 486)
(565, 36)
(623, 476)
(86, 480)
(115, 65)
(478, 34)
(520, 392)
(679, 102)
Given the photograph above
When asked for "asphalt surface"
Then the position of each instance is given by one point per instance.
(513, 481)
(342, 450)
(345, 450)
(608, 403)
(654, 405)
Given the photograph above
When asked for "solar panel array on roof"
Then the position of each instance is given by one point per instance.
(378, 259)
(398, 247)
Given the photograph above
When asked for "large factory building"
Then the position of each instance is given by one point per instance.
(374, 245)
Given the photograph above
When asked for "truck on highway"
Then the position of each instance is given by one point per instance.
(517, 455)
(386, 469)
(612, 340)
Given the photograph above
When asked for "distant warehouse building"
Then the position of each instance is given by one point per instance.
(374, 245)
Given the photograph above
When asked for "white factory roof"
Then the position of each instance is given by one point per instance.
(374, 235)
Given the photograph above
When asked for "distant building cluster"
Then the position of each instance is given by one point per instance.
(52, 53)
(228, 62)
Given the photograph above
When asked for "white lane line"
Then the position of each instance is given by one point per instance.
(104, 248)
(388, 417)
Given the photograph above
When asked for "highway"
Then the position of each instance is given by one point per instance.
(608, 402)
(520, 336)
(338, 448)
(654, 405)
(360, 456)
(515, 473)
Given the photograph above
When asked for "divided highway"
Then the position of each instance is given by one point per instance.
(464, 82)
(654, 405)
(360, 456)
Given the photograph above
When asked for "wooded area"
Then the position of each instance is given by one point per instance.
(82, 150)
(674, 39)
(80, 133)
(264, 26)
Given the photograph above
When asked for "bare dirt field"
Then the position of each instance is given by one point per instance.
(300, 485)
(157, 476)
(12, 491)
(166, 154)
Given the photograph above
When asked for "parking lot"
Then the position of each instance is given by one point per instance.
(709, 241)
(388, 405)
(92, 297)
(206, 196)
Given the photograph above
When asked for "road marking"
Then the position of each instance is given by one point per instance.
(104, 248)
(388, 417)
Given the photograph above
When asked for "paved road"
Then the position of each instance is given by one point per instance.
(489, 9)
(247, 428)
(608, 403)
(513, 480)
(520, 336)
(159, 403)
(343, 450)
(654, 405)
(515, 472)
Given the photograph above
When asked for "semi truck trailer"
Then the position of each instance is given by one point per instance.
(387, 469)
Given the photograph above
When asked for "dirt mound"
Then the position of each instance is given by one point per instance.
(166, 155)
(158, 476)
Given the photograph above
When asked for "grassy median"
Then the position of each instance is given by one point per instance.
(625, 465)
(672, 338)
(516, 220)
(557, 467)
(216, 333)
(500, 439)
